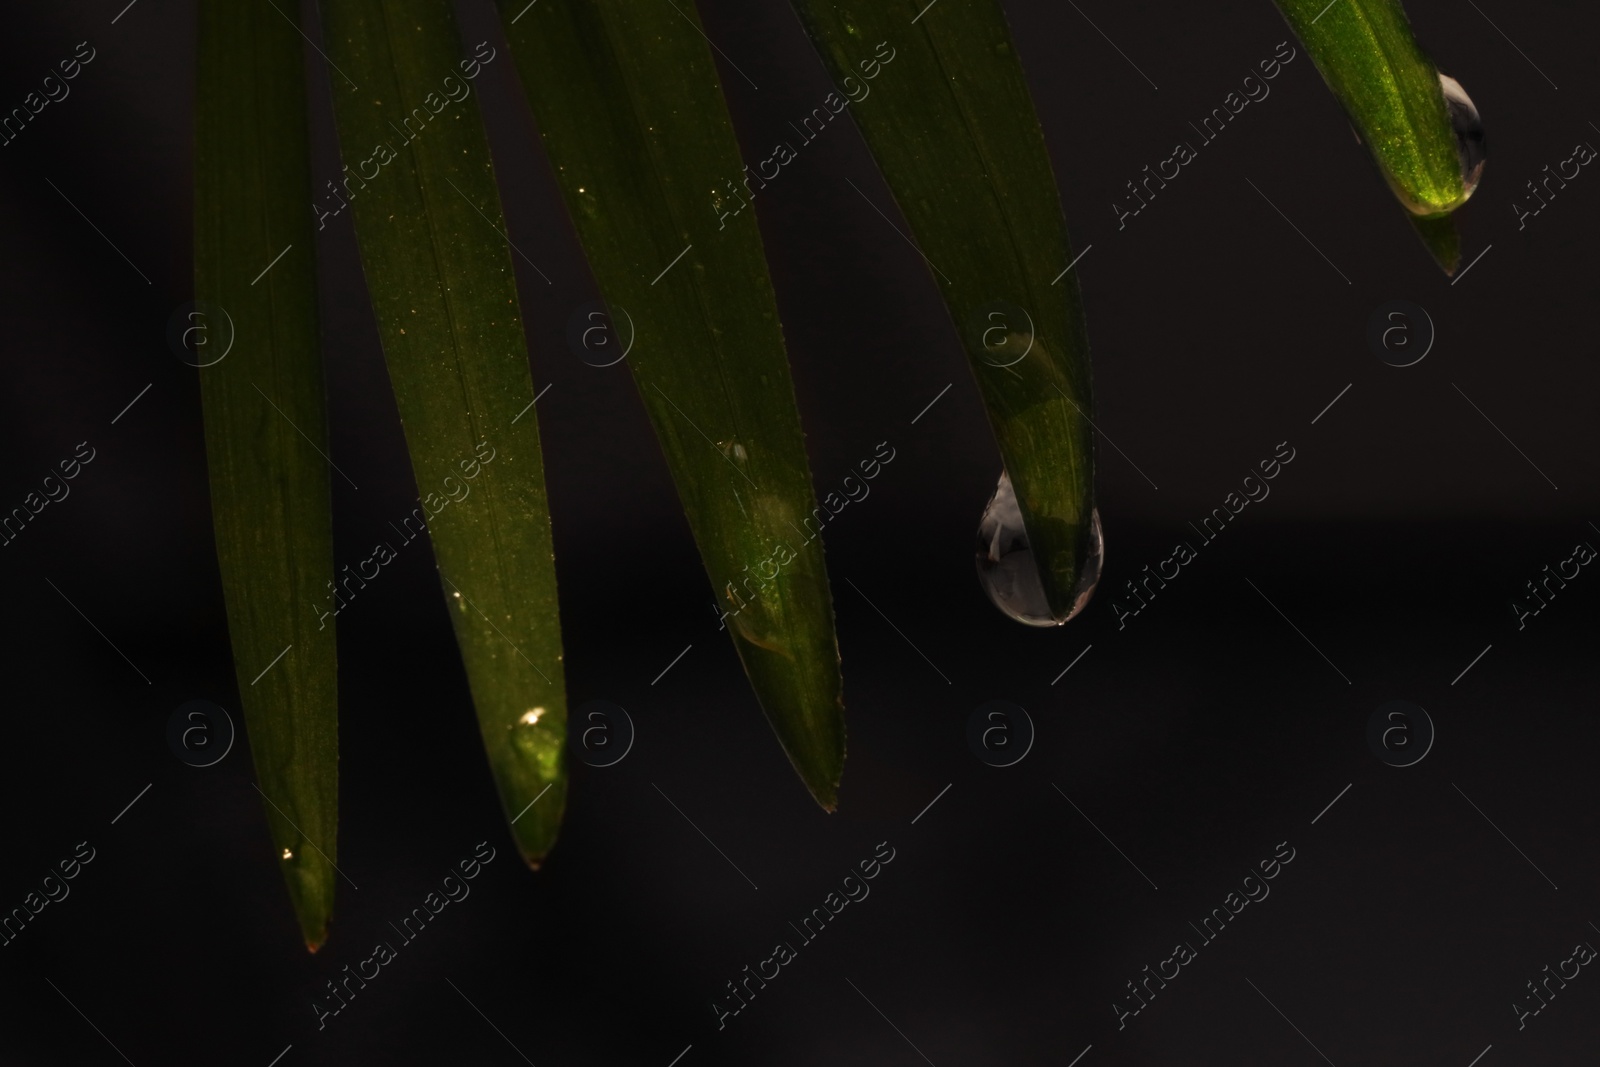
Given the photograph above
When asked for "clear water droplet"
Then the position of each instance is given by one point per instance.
(288, 854)
(538, 738)
(1468, 126)
(1008, 571)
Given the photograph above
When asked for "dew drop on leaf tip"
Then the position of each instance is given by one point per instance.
(1008, 571)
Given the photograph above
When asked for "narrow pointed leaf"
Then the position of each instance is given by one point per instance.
(1441, 236)
(255, 325)
(438, 267)
(1392, 92)
(632, 114)
(944, 107)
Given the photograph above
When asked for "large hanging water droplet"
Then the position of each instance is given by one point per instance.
(1471, 147)
(1008, 571)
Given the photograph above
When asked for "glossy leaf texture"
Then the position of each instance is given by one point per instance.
(629, 105)
(254, 326)
(940, 96)
(419, 182)
(1393, 94)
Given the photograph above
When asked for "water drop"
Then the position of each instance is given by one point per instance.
(1008, 571)
(538, 739)
(288, 854)
(1468, 127)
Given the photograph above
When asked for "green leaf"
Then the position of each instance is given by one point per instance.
(1441, 237)
(266, 427)
(632, 115)
(1392, 93)
(943, 104)
(438, 267)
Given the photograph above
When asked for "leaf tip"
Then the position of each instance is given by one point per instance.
(1441, 235)
(824, 790)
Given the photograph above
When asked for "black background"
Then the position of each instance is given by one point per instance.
(1196, 739)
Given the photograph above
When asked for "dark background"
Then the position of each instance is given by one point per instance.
(1196, 739)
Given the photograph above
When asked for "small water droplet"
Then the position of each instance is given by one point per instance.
(734, 451)
(288, 854)
(1008, 571)
(1468, 126)
(538, 738)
